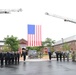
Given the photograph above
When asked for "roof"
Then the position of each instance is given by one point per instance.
(71, 38)
(23, 41)
(1, 43)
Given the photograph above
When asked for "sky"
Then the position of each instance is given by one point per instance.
(33, 12)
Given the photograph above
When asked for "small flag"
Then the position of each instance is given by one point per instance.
(34, 37)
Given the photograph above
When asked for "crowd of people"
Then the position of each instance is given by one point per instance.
(8, 58)
(62, 55)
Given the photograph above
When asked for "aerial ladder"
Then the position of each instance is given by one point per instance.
(8, 11)
(66, 20)
(60, 17)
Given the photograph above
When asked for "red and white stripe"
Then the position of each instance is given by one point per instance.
(35, 39)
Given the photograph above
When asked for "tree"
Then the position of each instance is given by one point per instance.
(12, 42)
(49, 42)
(6, 48)
(43, 44)
(34, 48)
(66, 46)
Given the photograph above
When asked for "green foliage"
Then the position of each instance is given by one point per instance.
(52, 49)
(34, 48)
(66, 46)
(12, 42)
(6, 48)
(49, 42)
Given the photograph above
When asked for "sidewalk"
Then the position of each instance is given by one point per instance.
(44, 58)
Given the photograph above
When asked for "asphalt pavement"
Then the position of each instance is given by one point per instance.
(40, 67)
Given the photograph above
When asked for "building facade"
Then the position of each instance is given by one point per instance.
(70, 43)
(22, 43)
(67, 43)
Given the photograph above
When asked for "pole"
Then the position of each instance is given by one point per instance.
(62, 44)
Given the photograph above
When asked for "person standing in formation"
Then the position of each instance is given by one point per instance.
(49, 52)
(9, 58)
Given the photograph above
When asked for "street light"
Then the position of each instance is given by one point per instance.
(60, 17)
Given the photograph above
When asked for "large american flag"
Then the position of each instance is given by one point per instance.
(34, 35)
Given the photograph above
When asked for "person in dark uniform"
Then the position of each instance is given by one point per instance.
(12, 57)
(60, 53)
(6, 59)
(9, 57)
(49, 53)
(15, 57)
(2, 58)
(57, 55)
(24, 55)
(18, 57)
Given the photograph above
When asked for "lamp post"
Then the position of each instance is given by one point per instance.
(62, 44)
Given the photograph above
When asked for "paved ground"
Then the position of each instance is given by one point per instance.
(40, 67)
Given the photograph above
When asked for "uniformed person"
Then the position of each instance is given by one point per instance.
(15, 57)
(18, 57)
(67, 55)
(12, 57)
(57, 55)
(64, 55)
(2, 58)
(60, 53)
(9, 57)
(49, 53)
(24, 55)
(6, 58)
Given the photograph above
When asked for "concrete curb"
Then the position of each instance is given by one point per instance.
(43, 59)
